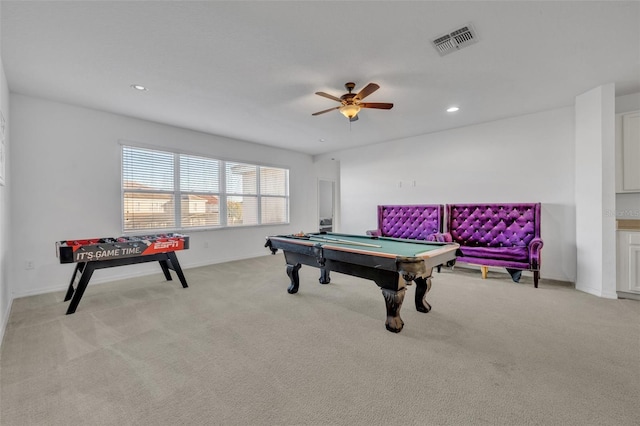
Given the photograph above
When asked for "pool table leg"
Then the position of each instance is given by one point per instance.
(324, 276)
(393, 299)
(423, 285)
(292, 272)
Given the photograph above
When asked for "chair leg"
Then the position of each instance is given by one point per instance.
(515, 274)
(536, 276)
(485, 271)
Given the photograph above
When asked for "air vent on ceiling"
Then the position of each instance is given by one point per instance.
(455, 40)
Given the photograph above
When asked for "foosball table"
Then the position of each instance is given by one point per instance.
(99, 253)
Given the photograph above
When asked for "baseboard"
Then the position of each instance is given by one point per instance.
(223, 260)
(627, 295)
(597, 292)
(502, 271)
(97, 280)
(5, 321)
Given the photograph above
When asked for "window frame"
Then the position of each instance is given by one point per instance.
(177, 193)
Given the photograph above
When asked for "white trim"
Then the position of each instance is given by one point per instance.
(597, 292)
(125, 276)
(5, 319)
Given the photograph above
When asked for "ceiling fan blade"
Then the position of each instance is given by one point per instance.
(377, 105)
(326, 110)
(368, 89)
(326, 95)
(354, 118)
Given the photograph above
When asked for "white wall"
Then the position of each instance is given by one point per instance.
(5, 240)
(66, 185)
(521, 159)
(627, 103)
(595, 192)
(325, 198)
(61, 191)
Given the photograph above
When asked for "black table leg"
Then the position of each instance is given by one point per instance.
(393, 299)
(325, 278)
(164, 264)
(423, 285)
(85, 270)
(175, 265)
(70, 290)
(292, 272)
(82, 286)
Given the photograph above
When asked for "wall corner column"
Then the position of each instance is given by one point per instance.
(595, 191)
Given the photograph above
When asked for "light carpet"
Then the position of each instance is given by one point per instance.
(236, 349)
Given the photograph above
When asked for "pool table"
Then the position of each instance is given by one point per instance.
(391, 263)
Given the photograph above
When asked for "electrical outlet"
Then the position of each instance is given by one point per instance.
(28, 264)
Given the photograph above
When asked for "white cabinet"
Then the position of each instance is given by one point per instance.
(628, 152)
(628, 260)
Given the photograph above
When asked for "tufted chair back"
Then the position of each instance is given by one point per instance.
(494, 225)
(410, 221)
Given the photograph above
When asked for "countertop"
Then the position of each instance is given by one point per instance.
(628, 224)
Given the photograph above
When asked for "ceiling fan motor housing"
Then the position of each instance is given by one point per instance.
(347, 98)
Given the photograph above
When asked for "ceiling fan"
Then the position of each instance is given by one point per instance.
(352, 102)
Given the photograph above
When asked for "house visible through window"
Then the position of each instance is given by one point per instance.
(212, 193)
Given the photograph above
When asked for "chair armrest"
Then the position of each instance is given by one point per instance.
(441, 237)
(374, 232)
(535, 247)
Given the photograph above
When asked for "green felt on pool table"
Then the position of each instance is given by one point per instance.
(399, 247)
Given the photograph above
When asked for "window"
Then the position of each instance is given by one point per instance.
(147, 189)
(199, 191)
(274, 191)
(242, 194)
(211, 192)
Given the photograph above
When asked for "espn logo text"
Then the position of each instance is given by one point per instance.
(161, 245)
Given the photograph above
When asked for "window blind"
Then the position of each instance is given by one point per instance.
(211, 192)
(274, 190)
(148, 189)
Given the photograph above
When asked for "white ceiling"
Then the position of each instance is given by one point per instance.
(249, 70)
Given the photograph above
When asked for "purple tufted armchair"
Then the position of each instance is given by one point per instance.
(414, 222)
(506, 235)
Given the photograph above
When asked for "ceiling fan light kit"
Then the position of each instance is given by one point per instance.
(352, 102)
(350, 111)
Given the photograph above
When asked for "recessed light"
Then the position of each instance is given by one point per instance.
(139, 87)
(321, 140)
(453, 109)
